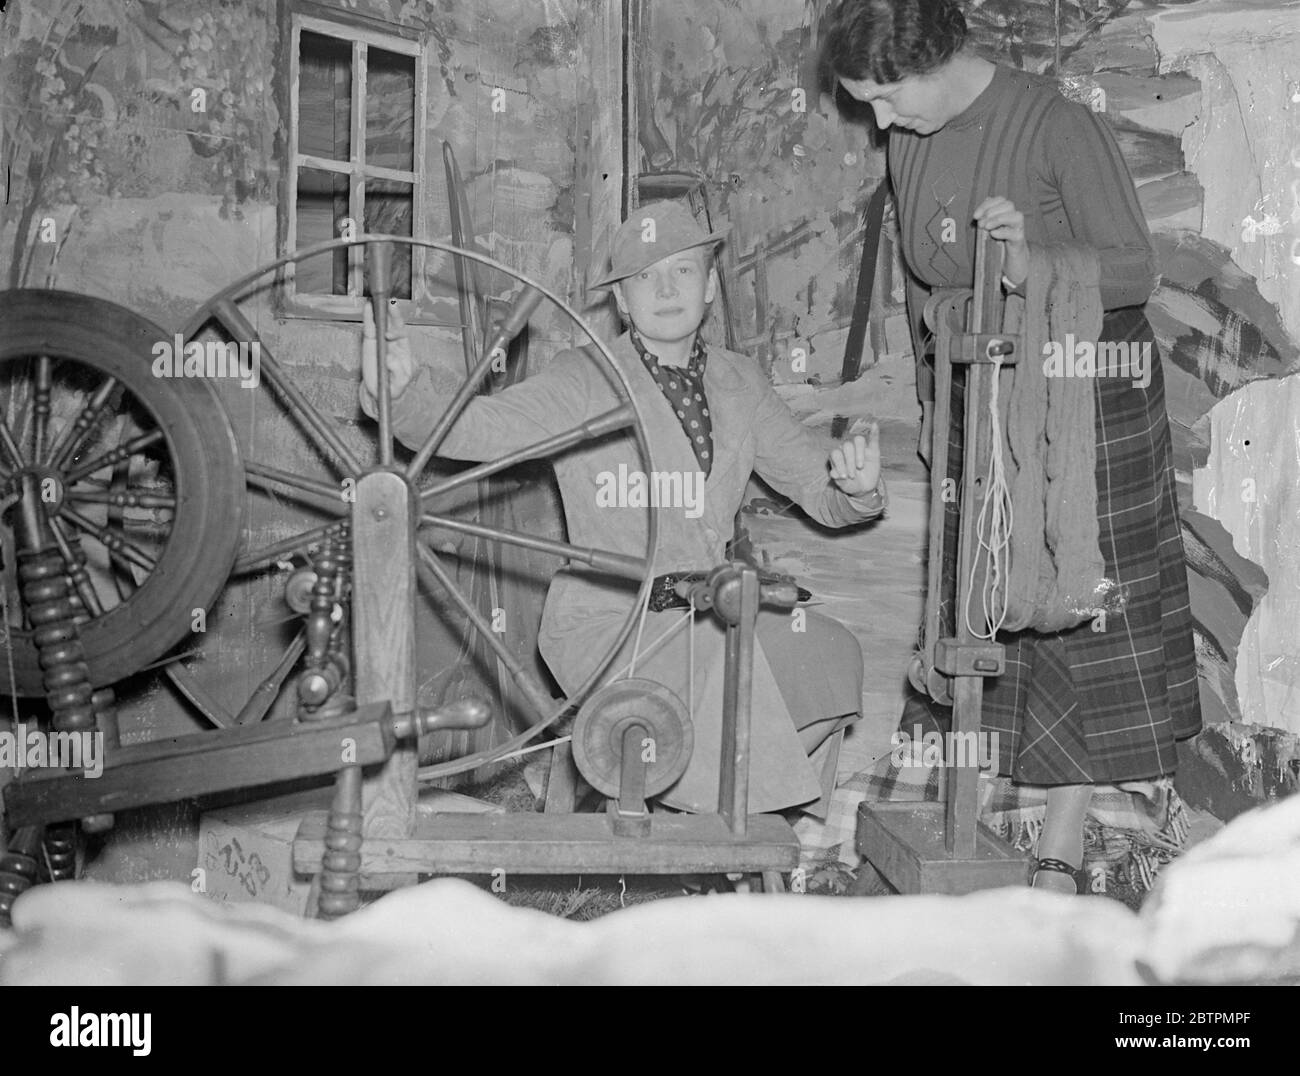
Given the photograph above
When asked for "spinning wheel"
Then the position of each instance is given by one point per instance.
(138, 476)
(337, 462)
(178, 436)
(141, 477)
(357, 685)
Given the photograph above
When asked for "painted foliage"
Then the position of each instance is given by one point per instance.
(94, 88)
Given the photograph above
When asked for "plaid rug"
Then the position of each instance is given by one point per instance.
(1131, 832)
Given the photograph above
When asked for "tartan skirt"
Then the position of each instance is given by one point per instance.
(1105, 701)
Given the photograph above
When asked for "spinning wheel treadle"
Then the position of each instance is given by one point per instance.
(664, 744)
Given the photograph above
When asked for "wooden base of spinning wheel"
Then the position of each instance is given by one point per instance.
(905, 843)
(567, 844)
(631, 741)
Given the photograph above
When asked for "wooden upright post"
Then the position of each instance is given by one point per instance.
(968, 689)
(737, 699)
(942, 848)
(383, 630)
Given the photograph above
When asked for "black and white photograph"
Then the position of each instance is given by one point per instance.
(651, 493)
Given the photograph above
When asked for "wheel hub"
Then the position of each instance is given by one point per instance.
(46, 483)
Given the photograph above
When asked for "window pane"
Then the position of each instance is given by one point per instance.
(388, 212)
(390, 109)
(325, 97)
(322, 205)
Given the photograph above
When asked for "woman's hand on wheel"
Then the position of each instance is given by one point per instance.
(400, 366)
(855, 465)
(1003, 221)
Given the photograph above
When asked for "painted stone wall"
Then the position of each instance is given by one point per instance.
(728, 92)
(1244, 142)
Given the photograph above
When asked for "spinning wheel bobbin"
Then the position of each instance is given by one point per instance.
(610, 737)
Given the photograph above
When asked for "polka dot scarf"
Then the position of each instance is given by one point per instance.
(683, 388)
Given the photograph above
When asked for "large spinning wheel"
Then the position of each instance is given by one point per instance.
(333, 497)
(148, 496)
(142, 479)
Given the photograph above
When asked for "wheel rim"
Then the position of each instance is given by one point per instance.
(223, 310)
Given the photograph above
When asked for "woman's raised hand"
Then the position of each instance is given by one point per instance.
(855, 465)
(1002, 220)
(400, 366)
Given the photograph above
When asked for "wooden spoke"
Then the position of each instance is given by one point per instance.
(76, 570)
(263, 558)
(265, 694)
(123, 573)
(438, 580)
(601, 559)
(65, 448)
(327, 441)
(115, 543)
(114, 456)
(41, 405)
(379, 258)
(467, 391)
(616, 419)
(309, 491)
(10, 446)
(121, 499)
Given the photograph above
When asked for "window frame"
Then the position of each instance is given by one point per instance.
(360, 34)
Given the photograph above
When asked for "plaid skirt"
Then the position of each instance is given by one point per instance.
(1105, 701)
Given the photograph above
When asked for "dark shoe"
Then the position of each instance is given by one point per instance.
(701, 885)
(1059, 866)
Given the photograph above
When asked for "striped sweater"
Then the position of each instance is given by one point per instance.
(1055, 160)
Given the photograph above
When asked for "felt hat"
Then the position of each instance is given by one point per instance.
(637, 244)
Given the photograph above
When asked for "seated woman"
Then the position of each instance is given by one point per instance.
(711, 419)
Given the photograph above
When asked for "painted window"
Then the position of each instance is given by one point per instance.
(354, 154)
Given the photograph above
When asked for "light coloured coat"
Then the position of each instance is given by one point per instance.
(753, 431)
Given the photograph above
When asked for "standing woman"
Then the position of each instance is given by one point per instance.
(974, 145)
